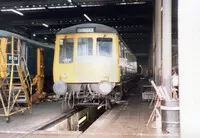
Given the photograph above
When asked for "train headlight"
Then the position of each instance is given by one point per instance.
(60, 87)
(105, 87)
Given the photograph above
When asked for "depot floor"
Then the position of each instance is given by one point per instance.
(127, 120)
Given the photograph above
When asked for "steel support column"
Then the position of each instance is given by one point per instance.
(151, 49)
(189, 67)
(167, 44)
(158, 40)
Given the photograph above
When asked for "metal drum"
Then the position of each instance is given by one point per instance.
(170, 116)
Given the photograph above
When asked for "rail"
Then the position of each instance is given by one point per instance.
(53, 121)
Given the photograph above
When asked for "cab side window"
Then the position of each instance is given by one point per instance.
(66, 50)
(104, 47)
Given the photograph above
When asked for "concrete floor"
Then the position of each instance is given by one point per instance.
(127, 121)
(27, 122)
(23, 125)
(124, 121)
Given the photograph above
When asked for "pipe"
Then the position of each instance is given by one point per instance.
(158, 40)
(167, 45)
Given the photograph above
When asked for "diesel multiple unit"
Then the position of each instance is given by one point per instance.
(91, 62)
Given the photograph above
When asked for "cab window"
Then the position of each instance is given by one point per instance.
(104, 47)
(85, 46)
(66, 50)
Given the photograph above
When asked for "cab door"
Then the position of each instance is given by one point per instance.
(64, 60)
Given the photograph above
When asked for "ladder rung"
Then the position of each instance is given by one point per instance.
(14, 84)
(21, 100)
(16, 88)
(13, 77)
(10, 64)
(11, 54)
(13, 71)
(17, 84)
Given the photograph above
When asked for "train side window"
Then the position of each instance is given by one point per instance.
(128, 56)
(104, 47)
(66, 50)
(122, 47)
(85, 46)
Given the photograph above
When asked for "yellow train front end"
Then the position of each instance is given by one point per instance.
(89, 60)
(87, 68)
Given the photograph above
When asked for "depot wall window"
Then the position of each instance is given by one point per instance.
(104, 47)
(66, 50)
(85, 46)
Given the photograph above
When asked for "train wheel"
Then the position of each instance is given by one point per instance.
(108, 104)
(7, 119)
(121, 92)
(71, 100)
(64, 106)
(68, 102)
(22, 112)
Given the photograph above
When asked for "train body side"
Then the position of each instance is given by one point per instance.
(128, 63)
(28, 50)
(31, 58)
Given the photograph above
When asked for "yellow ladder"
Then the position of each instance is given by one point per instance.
(15, 82)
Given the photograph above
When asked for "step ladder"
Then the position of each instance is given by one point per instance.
(15, 81)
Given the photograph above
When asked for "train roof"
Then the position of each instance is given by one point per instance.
(100, 28)
(4, 33)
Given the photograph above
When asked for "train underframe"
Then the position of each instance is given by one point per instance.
(84, 95)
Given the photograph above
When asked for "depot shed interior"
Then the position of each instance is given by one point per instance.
(136, 21)
(131, 18)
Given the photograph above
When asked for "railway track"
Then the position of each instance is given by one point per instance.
(52, 122)
(69, 124)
